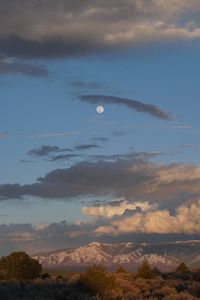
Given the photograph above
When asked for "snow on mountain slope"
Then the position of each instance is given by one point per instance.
(164, 255)
(88, 254)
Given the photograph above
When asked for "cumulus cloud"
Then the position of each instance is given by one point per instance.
(117, 208)
(130, 103)
(35, 29)
(186, 220)
(178, 173)
(147, 224)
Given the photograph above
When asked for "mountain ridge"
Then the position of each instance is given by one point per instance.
(129, 255)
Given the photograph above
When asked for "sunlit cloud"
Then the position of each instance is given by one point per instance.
(116, 208)
(186, 220)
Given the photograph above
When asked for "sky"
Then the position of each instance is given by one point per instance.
(70, 175)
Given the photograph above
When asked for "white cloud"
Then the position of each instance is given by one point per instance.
(117, 208)
(186, 220)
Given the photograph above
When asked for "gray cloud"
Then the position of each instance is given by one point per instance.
(7, 67)
(28, 30)
(42, 237)
(63, 157)
(132, 156)
(106, 175)
(46, 150)
(131, 176)
(54, 153)
(26, 161)
(83, 147)
(132, 104)
(54, 47)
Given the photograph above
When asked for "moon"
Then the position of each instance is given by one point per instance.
(100, 109)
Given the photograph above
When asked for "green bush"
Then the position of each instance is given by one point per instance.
(97, 281)
(19, 265)
(145, 270)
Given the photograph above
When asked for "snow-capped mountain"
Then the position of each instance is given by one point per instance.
(130, 255)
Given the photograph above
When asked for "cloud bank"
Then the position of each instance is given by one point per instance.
(153, 198)
(129, 176)
(41, 237)
(65, 28)
(142, 225)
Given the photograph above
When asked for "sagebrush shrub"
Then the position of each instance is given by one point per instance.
(145, 270)
(97, 281)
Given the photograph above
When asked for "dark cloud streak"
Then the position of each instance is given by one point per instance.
(46, 150)
(132, 104)
(62, 157)
(83, 147)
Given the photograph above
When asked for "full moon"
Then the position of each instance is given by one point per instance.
(100, 109)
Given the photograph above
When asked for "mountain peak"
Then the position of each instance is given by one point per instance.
(129, 255)
(96, 244)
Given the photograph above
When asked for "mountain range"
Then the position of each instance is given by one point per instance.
(129, 255)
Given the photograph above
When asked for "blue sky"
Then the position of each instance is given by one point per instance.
(33, 110)
(41, 106)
